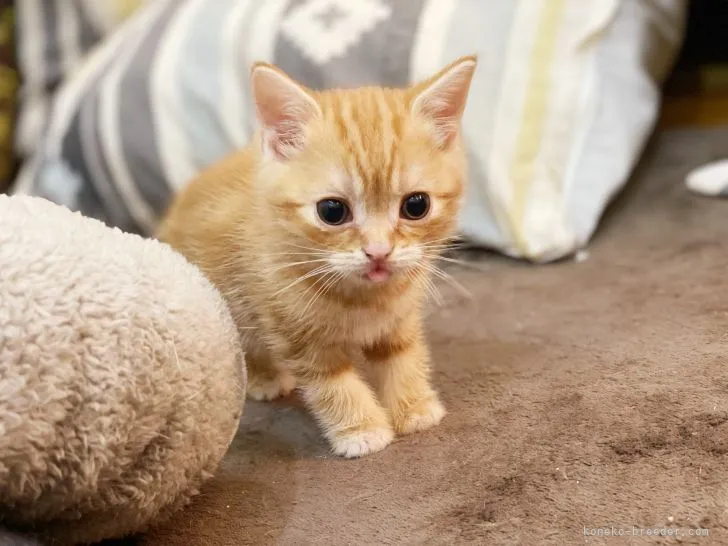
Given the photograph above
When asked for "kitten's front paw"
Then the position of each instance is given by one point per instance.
(421, 416)
(360, 443)
(265, 389)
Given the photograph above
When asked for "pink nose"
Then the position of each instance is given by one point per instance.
(378, 251)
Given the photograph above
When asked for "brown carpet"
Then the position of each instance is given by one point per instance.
(590, 394)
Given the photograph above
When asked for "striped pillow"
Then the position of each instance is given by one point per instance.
(565, 96)
(52, 38)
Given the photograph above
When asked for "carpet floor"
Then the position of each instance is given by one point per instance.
(581, 395)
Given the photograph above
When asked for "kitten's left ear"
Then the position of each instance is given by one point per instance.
(284, 109)
(442, 98)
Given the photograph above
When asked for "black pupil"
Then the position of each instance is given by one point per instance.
(332, 211)
(416, 206)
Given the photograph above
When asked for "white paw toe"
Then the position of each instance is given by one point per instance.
(422, 418)
(282, 385)
(362, 443)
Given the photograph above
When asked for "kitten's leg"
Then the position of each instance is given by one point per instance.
(266, 380)
(344, 405)
(401, 363)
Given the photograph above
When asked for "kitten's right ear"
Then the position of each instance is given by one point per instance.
(284, 108)
(442, 98)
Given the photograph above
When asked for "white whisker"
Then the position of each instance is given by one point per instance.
(318, 271)
(437, 248)
(429, 287)
(434, 292)
(448, 238)
(448, 278)
(325, 287)
(476, 267)
(312, 254)
(313, 285)
(319, 249)
(285, 266)
(433, 289)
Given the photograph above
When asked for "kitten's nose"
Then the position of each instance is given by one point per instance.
(378, 251)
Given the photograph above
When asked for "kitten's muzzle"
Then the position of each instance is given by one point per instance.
(378, 251)
(378, 269)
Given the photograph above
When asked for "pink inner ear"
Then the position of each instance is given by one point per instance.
(446, 116)
(284, 110)
(282, 131)
(285, 135)
(444, 100)
(442, 110)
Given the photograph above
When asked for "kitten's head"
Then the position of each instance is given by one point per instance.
(364, 184)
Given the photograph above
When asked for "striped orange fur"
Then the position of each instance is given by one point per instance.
(314, 301)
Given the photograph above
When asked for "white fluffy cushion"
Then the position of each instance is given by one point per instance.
(121, 376)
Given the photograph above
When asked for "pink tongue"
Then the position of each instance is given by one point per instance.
(378, 275)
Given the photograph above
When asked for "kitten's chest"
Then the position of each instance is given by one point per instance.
(361, 326)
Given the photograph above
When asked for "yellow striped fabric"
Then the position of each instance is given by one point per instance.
(535, 108)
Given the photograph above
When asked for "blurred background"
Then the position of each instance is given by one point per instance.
(697, 90)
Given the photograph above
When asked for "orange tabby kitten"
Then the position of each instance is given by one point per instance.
(321, 233)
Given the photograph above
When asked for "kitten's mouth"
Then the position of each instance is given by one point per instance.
(378, 272)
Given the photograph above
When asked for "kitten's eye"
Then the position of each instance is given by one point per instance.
(333, 211)
(415, 206)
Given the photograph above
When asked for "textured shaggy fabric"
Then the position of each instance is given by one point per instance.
(580, 394)
(121, 376)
